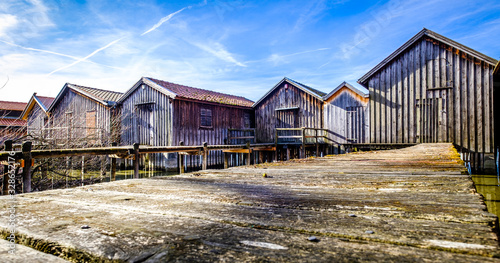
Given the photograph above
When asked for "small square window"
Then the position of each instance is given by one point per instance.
(206, 118)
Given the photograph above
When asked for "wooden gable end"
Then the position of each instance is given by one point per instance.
(433, 92)
(286, 107)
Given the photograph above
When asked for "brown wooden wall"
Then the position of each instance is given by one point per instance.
(433, 93)
(267, 117)
(36, 121)
(346, 116)
(70, 113)
(150, 117)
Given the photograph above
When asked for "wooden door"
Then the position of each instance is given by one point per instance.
(354, 124)
(432, 124)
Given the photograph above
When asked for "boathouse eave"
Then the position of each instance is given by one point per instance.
(347, 85)
(34, 99)
(425, 32)
(73, 87)
(291, 82)
(151, 84)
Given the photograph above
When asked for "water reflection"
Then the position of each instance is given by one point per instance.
(488, 186)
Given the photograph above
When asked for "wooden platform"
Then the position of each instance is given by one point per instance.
(412, 204)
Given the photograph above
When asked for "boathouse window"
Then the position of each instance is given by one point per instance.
(206, 118)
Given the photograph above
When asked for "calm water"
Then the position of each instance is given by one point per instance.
(488, 186)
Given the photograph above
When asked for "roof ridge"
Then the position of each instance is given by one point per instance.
(86, 87)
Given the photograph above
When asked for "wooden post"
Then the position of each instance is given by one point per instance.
(249, 155)
(287, 152)
(26, 149)
(136, 160)
(317, 145)
(113, 164)
(226, 160)
(181, 159)
(83, 167)
(276, 144)
(5, 188)
(205, 156)
(303, 150)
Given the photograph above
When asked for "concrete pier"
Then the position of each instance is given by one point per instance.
(411, 204)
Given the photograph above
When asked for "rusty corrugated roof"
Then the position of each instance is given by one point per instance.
(12, 105)
(203, 95)
(12, 122)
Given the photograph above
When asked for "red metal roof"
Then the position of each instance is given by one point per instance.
(12, 105)
(12, 122)
(203, 95)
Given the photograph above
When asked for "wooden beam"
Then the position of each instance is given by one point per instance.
(26, 150)
(5, 188)
(205, 156)
(237, 151)
(180, 156)
(113, 165)
(136, 160)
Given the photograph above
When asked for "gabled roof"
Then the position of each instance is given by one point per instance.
(417, 37)
(105, 97)
(43, 102)
(314, 92)
(347, 85)
(181, 91)
(12, 122)
(12, 105)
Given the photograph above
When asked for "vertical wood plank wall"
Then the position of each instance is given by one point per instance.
(147, 119)
(346, 116)
(152, 118)
(433, 93)
(35, 121)
(78, 106)
(309, 114)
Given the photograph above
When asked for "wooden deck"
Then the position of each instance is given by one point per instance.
(408, 205)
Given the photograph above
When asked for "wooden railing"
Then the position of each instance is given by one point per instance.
(240, 136)
(26, 156)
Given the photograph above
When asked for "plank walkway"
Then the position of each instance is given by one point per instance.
(405, 205)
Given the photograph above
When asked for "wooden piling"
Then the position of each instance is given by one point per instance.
(205, 156)
(226, 160)
(180, 157)
(249, 154)
(26, 150)
(113, 164)
(5, 188)
(136, 160)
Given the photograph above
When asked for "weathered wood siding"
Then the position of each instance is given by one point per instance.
(346, 117)
(433, 93)
(147, 119)
(36, 121)
(150, 117)
(69, 120)
(305, 110)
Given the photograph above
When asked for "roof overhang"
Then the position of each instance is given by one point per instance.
(151, 84)
(285, 79)
(69, 86)
(414, 39)
(347, 85)
(29, 107)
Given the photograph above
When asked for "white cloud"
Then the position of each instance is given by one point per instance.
(85, 58)
(7, 22)
(163, 20)
(220, 52)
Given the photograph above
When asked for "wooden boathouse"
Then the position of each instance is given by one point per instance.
(346, 114)
(82, 116)
(284, 111)
(433, 89)
(160, 113)
(36, 115)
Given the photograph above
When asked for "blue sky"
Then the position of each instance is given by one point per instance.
(237, 47)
